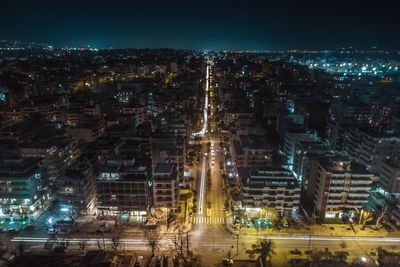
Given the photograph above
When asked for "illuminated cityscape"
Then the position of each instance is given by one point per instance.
(223, 134)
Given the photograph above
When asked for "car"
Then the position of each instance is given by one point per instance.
(138, 262)
(158, 261)
(175, 260)
(29, 228)
(98, 232)
(165, 260)
(3, 230)
(63, 231)
(227, 262)
(13, 231)
(52, 231)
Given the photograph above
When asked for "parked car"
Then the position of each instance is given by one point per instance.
(158, 261)
(29, 228)
(138, 262)
(52, 231)
(175, 260)
(63, 231)
(165, 261)
(98, 232)
(227, 262)
(13, 231)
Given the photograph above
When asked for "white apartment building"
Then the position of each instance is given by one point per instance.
(340, 185)
(389, 176)
(271, 188)
(165, 185)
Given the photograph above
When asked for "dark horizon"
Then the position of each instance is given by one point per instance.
(234, 25)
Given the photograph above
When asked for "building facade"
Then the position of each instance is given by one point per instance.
(165, 185)
(76, 189)
(273, 189)
(23, 187)
(340, 186)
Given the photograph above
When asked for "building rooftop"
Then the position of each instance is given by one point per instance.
(338, 164)
(164, 168)
(255, 142)
(15, 167)
(270, 177)
(238, 147)
(393, 163)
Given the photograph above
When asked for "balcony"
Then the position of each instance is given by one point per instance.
(360, 182)
(366, 188)
(336, 182)
(359, 195)
(334, 201)
(336, 187)
(356, 201)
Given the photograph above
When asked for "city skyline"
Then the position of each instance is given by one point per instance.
(189, 134)
(223, 25)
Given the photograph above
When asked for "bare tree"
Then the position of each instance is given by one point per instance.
(327, 254)
(265, 248)
(387, 258)
(180, 241)
(83, 244)
(381, 217)
(342, 255)
(153, 238)
(343, 245)
(316, 256)
(115, 238)
(179, 246)
(49, 244)
(62, 246)
(21, 248)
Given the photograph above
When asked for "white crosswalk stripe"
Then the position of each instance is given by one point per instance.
(208, 220)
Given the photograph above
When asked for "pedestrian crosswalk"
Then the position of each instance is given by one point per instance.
(208, 220)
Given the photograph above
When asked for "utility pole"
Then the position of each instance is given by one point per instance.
(166, 217)
(187, 243)
(237, 243)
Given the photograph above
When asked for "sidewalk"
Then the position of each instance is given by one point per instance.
(317, 230)
(87, 222)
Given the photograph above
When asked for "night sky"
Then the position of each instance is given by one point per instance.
(214, 25)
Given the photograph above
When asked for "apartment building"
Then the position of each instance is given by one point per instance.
(341, 185)
(370, 147)
(271, 188)
(76, 189)
(124, 186)
(23, 187)
(251, 151)
(389, 176)
(292, 135)
(165, 185)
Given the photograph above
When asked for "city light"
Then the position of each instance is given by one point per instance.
(113, 149)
